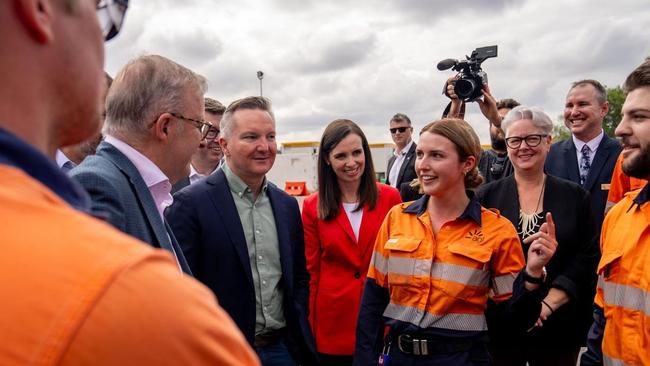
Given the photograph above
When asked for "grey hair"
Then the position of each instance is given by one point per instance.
(145, 88)
(540, 119)
(227, 124)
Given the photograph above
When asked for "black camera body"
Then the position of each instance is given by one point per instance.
(471, 77)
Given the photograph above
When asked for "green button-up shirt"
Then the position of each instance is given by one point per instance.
(258, 224)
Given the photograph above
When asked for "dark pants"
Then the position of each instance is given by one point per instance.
(477, 356)
(275, 354)
(334, 360)
(504, 356)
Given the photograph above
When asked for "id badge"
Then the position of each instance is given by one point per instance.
(384, 360)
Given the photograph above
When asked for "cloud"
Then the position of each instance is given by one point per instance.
(366, 60)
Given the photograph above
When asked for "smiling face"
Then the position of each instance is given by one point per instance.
(525, 157)
(348, 160)
(438, 165)
(209, 152)
(250, 148)
(583, 113)
(634, 131)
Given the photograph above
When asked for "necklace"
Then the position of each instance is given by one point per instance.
(528, 222)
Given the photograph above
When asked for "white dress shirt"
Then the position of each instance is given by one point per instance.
(592, 144)
(397, 165)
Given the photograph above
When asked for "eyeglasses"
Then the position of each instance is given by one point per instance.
(212, 133)
(111, 16)
(400, 129)
(531, 140)
(205, 128)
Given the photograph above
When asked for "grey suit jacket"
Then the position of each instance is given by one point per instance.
(121, 196)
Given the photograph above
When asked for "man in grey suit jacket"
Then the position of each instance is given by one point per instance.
(589, 156)
(154, 123)
(401, 165)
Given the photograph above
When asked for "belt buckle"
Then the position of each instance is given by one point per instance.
(419, 347)
(404, 337)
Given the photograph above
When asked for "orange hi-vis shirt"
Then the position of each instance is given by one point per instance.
(77, 292)
(442, 281)
(624, 281)
(621, 184)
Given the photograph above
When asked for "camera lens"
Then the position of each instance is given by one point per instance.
(464, 88)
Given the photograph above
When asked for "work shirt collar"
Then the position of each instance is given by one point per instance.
(17, 153)
(643, 196)
(472, 211)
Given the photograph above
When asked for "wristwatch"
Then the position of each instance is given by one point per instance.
(535, 280)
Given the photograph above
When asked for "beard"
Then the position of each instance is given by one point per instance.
(638, 166)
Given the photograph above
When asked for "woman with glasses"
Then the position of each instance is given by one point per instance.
(527, 198)
(340, 223)
(436, 260)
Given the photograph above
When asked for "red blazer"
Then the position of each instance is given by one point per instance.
(337, 265)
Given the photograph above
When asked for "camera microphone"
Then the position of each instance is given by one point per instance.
(447, 64)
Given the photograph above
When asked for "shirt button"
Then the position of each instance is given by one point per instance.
(357, 275)
(259, 257)
(263, 282)
(257, 231)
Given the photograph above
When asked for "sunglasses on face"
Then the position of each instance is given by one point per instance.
(400, 129)
(111, 15)
(531, 140)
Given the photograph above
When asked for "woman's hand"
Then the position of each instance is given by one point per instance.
(542, 247)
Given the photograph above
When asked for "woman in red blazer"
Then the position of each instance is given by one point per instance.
(341, 221)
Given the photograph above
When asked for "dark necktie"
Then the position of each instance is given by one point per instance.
(585, 165)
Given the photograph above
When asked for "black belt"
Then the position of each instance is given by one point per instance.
(422, 345)
(269, 338)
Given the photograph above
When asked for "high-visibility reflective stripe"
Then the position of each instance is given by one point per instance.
(610, 361)
(628, 297)
(422, 319)
(503, 284)
(379, 263)
(409, 266)
(461, 274)
(443, 271)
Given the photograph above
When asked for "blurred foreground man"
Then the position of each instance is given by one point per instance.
(622, 315)
(74, 290)
(243, 238)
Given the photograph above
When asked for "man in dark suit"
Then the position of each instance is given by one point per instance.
(208, 156)
(589, 156)
(243, 237)
(401, 165)
(153, 126)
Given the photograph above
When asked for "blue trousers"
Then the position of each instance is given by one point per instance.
(275, 355)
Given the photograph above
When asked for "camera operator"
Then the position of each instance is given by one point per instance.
(494, 163)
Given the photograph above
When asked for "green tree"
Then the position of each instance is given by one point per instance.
(559, 131)
(616, 98)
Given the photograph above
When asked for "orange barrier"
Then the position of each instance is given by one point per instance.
(296, 188)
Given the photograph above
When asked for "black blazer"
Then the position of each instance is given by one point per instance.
(572, 268)
(562, 162)
(407, 170)
(207, 225)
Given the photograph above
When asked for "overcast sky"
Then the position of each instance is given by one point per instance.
(366, 60)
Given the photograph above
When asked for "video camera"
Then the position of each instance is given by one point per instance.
(471, 77)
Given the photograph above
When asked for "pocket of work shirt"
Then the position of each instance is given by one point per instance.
(465, 274)
(402, 264)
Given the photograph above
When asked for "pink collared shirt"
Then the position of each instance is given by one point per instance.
(153, 177)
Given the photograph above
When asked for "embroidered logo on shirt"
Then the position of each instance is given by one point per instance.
(475, 235)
